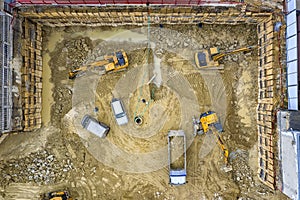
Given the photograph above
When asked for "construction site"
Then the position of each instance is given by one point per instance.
(136, 99)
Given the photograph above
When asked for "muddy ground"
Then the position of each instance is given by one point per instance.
(63, 156)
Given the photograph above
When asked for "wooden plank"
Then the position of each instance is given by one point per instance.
(266, 124)
(270, 47)
(270, 179)
(68, 13)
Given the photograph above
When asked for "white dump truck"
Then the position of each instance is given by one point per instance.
(177, 157)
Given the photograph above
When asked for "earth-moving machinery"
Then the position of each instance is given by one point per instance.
(60, 195)
(210, 58)
(207, 123)
(177, 157)
(105, 64)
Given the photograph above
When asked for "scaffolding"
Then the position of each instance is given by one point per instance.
(5, 72)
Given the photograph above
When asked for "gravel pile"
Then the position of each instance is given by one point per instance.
(243, 176)
(77, 51)
(242, 172)
(41, 167)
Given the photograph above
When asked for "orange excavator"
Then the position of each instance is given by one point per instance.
(105, 64)
(209, 122)
(210, 58)
(60, 195)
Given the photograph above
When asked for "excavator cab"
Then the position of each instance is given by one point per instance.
(204, 59)
(208, 119)
(214, 51)
(121, 59)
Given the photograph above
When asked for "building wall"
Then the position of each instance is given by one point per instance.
(289, 152)
(292, 35)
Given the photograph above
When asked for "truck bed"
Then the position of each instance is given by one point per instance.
(177, 157)
(176, 152)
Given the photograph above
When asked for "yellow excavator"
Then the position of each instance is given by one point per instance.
(210, 58)
(61, 195)
(109, 63)
(209, 122)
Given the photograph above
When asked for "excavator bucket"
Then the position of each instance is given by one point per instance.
(227, 168)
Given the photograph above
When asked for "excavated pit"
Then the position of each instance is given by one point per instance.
(88, 166)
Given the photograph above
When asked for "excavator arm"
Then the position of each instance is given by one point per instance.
(220, 143)
(221, 55)
(209, 122)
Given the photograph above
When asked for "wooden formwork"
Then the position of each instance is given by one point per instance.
(95, 16)
(267, 84)
(32, 75)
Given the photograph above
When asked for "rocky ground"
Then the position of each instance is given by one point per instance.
(39, 167)
(67, 161)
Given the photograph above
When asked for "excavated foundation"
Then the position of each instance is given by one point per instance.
(270, 81)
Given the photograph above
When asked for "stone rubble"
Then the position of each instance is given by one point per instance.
(243, 176)
(41, 167)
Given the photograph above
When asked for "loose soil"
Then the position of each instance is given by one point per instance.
(57, 156)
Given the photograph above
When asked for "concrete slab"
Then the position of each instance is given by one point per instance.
(292, 54)
(291, 30)
(292, 79)
(291, 5)
(291, 42)
(291, 18)
(292, 67)
(293, 104)
(289, 151)
(293, 92)
(289, 165)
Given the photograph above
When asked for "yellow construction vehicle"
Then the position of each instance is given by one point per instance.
(61, 195)
(209, 122)
(210, 58)
(109, 63)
